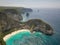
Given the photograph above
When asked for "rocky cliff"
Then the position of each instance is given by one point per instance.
(9, 19)
(39, 26)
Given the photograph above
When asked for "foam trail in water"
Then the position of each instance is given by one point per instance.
(25, 18)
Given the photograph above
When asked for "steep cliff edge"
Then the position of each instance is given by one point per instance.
(39, 26)
(9, 21)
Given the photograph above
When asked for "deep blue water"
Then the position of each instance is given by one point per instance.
(52, 17)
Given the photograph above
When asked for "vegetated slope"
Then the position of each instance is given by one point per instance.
(40, 26)
(9, 21)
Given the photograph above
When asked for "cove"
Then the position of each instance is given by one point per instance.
(27, 38)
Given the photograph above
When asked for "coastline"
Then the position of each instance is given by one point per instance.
(13, 33)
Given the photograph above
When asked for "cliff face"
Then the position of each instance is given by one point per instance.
(9, 21)
(9, 18)
(39, 26)
(13, 14)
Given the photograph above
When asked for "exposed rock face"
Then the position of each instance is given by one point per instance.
(9, 19)
(13, 14)
(40, 26)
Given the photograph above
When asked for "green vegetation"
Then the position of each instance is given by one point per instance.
(40, 26)
(1, 39)
(35, 22)
(10, 22)
(2, 34)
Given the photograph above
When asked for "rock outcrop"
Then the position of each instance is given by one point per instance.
(39, 26)
(9, 19)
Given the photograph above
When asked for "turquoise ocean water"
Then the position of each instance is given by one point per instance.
(27, 38)
(51, 16)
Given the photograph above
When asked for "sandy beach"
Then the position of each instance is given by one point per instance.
(13, 33)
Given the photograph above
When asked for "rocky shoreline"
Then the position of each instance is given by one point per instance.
(10, 21)
(38, 25)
